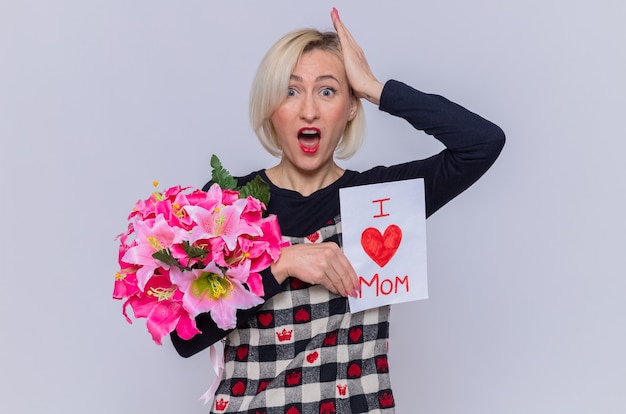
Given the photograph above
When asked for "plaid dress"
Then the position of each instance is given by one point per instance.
(303, 351)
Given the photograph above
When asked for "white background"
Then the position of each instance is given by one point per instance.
(98, 98)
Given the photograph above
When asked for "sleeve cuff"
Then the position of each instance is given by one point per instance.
(270, 285)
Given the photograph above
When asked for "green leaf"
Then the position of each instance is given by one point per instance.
(256, 188)
(194, 252)
(221, 176)
(166, 257)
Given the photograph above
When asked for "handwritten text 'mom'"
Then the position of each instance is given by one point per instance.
(384, 287)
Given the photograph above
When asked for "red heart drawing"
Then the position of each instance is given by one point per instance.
(312, 357)
(262, 386)
(355, 333)
(302, 316)
(242, 353)
(313, 237)
(354, 371)
(331, 339)
(239, 388)
(265, 319)
(381, 247)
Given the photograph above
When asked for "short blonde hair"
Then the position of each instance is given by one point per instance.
(270, 85)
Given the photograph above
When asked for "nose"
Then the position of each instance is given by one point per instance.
(309, 109)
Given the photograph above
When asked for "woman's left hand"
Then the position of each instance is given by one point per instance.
(360, 76)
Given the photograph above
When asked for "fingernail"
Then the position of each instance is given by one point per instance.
(336, 13)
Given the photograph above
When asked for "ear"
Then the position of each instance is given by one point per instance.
(354, 107)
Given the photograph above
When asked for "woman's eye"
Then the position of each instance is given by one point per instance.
(328, 92)
(291, 92)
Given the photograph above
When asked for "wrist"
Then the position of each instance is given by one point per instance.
(278, 270)
(373, 92)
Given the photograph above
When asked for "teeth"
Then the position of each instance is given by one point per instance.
(309, 132)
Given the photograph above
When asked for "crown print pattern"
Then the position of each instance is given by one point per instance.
(305, 353)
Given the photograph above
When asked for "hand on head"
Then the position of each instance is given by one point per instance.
(360, 76)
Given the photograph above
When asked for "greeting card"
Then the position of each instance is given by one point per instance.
(384, 237)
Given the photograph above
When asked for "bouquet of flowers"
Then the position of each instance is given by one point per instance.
(187, 252)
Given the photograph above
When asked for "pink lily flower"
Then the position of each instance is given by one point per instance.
(162, 306)
(250, 250)
(253, 211)
(215, 197)
(216, 248)
(263, 250)
(223, 221)
(255, 284)
(271, 234)
(150, 240)
(210, 290)
(260, 251)
(125, 279)
(229, 196)
(197, 198)
(173, 208)
(125, 285)
(148, 208)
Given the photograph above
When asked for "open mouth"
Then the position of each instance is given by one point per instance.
(309, 140)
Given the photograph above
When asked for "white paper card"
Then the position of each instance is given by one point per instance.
(384, 237)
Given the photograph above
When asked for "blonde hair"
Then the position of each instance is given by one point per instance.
(270, 85)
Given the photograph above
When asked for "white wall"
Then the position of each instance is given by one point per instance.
(98, 98)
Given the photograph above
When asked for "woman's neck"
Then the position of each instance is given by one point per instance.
(306, 183)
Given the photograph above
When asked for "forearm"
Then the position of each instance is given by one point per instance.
(472, 142)
(211, 333)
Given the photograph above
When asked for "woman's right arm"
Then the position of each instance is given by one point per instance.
(320, 264)
(211, 333)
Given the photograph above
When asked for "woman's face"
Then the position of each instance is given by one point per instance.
(312, 118)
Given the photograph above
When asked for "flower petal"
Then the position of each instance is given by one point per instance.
(224, 311)
(163, 319)
(186, 327)
(255, 283)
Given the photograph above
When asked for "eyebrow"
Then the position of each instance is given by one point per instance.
(318, 79)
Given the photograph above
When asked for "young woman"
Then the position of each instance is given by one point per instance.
(302, 351)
